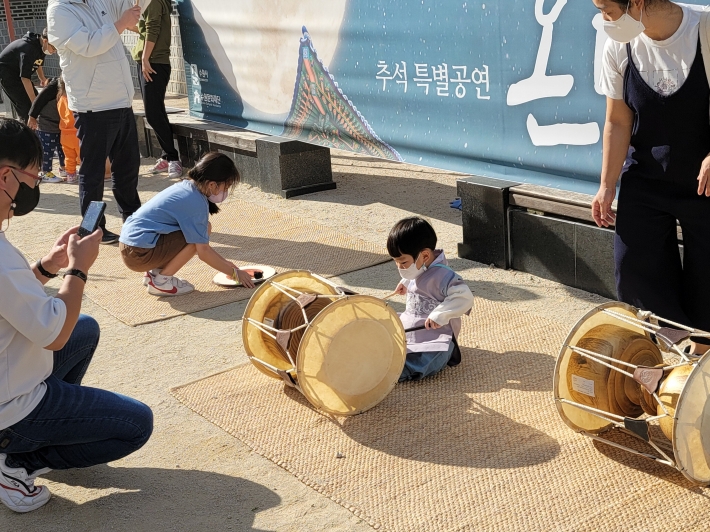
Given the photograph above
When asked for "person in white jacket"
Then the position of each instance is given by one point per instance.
(437, 297)
(48, 420)
(87, 36)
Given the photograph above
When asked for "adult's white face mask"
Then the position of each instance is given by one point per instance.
(626, 28)
(412, 272)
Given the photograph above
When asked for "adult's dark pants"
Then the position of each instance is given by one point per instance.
(649, 271)
(14, 88)
(153, 93)
(109, 134)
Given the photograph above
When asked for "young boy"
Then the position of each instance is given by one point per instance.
(436, 299)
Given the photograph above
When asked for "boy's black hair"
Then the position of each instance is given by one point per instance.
(411, 236)
(217, 167)
(19, 145)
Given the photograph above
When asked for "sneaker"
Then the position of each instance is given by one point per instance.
(62, 172)
(17, 489)
(49, 177)
(174, 169)
(71, 178)
(172, 286)
(147, 276)
(109, 237)
(160, 167)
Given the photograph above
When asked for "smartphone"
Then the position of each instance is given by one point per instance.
(92, 217)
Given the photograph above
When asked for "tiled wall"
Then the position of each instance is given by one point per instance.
(30, 15)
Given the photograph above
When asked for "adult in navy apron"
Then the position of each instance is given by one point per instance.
(657, 133)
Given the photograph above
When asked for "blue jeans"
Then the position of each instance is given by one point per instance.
(76, 426)
(420, 365)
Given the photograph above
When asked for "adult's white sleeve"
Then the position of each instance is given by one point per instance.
(458, 301)
(65, 30)
(119, 7)
(24, 305)
(612, 74)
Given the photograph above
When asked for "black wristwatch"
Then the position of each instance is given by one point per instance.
(77, 273)
(44, 272)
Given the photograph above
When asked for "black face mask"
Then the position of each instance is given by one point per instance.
(26, 199)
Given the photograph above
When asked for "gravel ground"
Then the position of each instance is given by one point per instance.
(192, 475)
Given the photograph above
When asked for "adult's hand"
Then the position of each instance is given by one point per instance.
(601, 207)
(32, 123)
(129, 19)
(58, 258)
(704, 178)
(147, 70)
(82, 252)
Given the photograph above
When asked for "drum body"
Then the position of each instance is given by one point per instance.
(621, 367)
(344, 352)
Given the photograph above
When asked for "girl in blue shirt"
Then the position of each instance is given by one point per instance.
(171, 228)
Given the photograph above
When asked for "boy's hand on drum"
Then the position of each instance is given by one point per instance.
(244, 278)
(401, 290)
(431, 324)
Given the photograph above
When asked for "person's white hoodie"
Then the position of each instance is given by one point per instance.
(91, 54)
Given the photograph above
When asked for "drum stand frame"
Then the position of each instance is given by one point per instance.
(668, 340)
(282, 336)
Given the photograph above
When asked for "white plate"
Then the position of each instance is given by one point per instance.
(222, 279)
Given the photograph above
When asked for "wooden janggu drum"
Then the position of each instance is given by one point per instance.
(344, 352)
(622, 367)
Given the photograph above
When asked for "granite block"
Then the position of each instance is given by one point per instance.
(543, 246)
(143, 146)
(484, 204)
(293, 173)
(594, 263)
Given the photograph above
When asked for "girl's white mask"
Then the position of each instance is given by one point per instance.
(219, 198)
(412, 272)
(626, 29)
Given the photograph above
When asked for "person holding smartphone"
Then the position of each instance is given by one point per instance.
(47, 419)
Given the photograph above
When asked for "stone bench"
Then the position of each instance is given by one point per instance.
(540, 230)
(274, 164)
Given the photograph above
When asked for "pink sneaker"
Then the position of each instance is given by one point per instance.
(160, 167)
(71, 178)
(174, 169)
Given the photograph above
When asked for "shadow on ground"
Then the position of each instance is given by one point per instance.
(151, 499)
(454, 428)
(645, 465)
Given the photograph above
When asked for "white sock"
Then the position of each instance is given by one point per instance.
(162, 279)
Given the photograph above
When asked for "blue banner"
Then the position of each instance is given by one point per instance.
(499, 88)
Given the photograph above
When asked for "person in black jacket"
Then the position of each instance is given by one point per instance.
(18, 61)
(44, 118)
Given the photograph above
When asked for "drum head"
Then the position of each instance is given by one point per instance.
(691, 434)
(267, 272)
(264, 307)
(577, 419)
(351, 355)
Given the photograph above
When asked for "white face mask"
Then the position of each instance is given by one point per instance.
(219, 198)
(625, 29)
(412, 272)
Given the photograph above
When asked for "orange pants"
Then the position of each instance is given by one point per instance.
(70, 145)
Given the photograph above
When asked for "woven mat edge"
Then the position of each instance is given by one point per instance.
(300, 476)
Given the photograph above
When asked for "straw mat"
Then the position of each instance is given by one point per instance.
(478, 447)
(242, 232)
